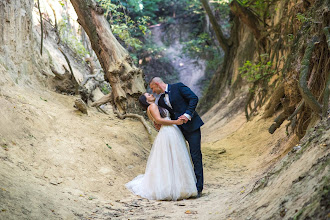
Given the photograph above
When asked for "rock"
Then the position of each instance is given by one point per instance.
(222, 151)
(80, 105)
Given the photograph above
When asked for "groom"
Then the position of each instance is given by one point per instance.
(181, 102)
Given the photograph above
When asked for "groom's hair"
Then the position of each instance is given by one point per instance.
(156, 79)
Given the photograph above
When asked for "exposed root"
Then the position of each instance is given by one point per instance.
(105, 99)
(303, 88)
(76, 85)
(274, 102)
(327, 34)
(139, 117)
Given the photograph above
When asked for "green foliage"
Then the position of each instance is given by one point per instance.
(258, 7)
(221, 7)
(302, 18)
(70, 39)
(254, 72)
(197, 46)
(201, 46)
(105, 89)
(125, 27)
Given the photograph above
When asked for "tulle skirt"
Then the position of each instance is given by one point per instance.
(169, 174)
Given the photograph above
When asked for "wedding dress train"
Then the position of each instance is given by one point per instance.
(169, 174)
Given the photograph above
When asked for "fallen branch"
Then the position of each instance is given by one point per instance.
(101, 110)
(103, 100)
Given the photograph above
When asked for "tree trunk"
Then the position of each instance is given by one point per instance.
(216, 27)
(247, 17)
(125, 79)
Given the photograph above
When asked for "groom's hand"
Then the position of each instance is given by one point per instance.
(184, 118)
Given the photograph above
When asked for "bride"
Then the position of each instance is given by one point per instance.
(169, 174)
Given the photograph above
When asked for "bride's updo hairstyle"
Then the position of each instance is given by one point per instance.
(145, 105)
(143, 102)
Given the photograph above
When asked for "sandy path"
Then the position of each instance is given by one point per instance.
(57, 164)
(229, 175)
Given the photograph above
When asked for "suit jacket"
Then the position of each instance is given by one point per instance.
(183, 100)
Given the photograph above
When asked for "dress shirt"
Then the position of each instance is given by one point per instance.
(167, 101)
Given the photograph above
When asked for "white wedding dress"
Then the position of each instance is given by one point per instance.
(169, 174)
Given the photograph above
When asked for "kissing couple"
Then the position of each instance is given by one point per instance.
(169, 174)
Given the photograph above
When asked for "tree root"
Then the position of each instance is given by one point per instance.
(301, 104)
(281, 118)
(277, 122)
(274, 102)
(103, 100)
(326, 98)
(57, 74)
(130, 115)
(327, 34)
(41, 27)
(87, 77)
(101, 110)
(293, 118)
(68, 62)
(248, 105)
(303, 88)
(287, 128)
(64, 83)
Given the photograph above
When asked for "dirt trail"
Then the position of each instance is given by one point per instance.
(56, 163)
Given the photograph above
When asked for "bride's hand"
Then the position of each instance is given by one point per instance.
(179, 122)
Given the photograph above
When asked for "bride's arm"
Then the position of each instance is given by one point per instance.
(153, 110)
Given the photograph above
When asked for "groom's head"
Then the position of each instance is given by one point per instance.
(157, 85)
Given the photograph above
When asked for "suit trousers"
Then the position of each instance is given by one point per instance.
(194, 140)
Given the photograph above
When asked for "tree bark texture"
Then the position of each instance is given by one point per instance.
(222, 78)
(216, 27)
(125, 79)
(247, 17)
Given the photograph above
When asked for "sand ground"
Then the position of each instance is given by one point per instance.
(57, 163)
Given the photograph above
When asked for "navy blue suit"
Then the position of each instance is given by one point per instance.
(183, 100)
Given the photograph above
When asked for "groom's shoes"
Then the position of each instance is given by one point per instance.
(199, 194)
